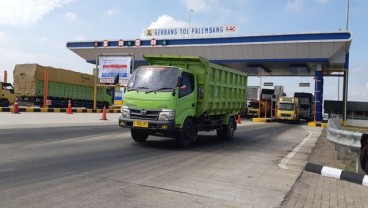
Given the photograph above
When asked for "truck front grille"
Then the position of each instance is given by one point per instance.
(285, 115)
(144, 114)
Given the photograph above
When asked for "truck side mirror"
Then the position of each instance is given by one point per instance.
(116, 79)
(180, 82)
(108, 91)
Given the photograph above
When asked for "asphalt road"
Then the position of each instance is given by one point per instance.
(98, 165)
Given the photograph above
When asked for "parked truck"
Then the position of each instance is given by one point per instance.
(177, 96)
(7, 96)
(63, 85)
(288, 109)
(254, 107)
(306, 105)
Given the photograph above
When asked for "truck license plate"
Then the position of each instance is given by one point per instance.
(143, 124)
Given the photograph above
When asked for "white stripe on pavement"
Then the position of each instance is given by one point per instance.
(365, 180)
(331, 172)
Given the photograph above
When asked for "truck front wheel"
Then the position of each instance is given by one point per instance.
(186, 134)
(139, 135)
(4, 102)
(227, 132)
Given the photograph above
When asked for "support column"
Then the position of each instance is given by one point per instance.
(345, 87)
(319, 92)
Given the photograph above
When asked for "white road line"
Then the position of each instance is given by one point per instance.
(286, 159)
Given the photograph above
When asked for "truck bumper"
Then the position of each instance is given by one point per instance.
(149, 125)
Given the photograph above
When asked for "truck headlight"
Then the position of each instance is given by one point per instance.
(125, 112)
(166, 115)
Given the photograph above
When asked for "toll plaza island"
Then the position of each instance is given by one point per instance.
(302, 54)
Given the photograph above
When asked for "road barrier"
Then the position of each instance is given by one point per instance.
(355, 141)
(59, 110)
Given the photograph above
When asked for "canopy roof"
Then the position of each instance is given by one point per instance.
(268, 55)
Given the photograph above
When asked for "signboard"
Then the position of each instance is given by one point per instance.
(118, 96)
(304, 84)
(110, 66)
(269, 84)
(190, 31)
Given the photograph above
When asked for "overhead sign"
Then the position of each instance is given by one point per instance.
(304, 84)
(181, 32)
(110, 66)
(270, 84)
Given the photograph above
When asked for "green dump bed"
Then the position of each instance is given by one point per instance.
(224, 89)
(66, 84)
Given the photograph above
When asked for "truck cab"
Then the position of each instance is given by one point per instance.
(7, 96)
(288, 109)
(158, 99)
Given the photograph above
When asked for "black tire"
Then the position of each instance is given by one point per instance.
(227, 132)
(4, 103)
(139, 135)
(187, 134)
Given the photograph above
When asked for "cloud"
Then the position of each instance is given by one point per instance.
(295, 6)
(197, 5)
(70, 16)
(113, 12)
(166, 21)
(4, 38)
(20, 13)
(43, 40)
(80, 37)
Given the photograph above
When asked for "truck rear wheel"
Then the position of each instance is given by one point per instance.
(186, 134)
(139, 135)
(227, 132)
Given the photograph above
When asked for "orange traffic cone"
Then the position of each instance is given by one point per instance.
(239, 122)
(104, 114)
(69, 110)
(16, 107)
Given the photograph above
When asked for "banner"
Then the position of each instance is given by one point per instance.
(181, 32)
(110, 66)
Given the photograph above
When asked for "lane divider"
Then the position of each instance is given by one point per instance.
(59, 110)
(337, 173)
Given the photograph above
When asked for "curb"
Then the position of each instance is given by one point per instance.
(59, 110)
(315, 124)
(337, 173)
(263, 120)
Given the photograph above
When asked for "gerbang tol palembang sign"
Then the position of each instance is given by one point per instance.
(190, 31)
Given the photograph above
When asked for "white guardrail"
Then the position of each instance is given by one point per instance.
(345, 138)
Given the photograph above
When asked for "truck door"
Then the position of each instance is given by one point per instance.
(7, 96)
(187, 98)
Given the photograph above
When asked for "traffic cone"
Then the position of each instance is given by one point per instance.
(239, 122)
(104, 114)
(69, 110)
(16, 107)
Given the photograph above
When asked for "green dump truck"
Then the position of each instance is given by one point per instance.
(7, 96)
(63, 85)
(177, 96)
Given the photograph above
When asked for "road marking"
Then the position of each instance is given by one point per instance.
(286, 159)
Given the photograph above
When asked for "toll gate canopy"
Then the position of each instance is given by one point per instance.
(302, 54)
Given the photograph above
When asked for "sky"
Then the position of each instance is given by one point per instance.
(36, 31)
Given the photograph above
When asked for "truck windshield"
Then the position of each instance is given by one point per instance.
(253, 105)
(286, 106)
(153, 78)
(8, 86)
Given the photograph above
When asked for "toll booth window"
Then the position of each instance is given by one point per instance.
(188, 82)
